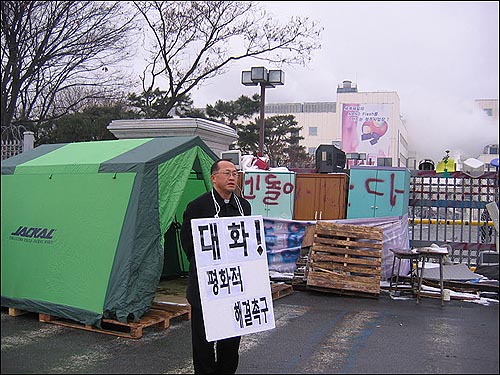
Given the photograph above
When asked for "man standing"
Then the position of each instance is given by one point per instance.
(222, 356)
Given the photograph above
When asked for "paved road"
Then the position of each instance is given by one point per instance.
(315, 333)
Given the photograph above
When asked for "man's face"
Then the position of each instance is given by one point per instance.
(226, 177)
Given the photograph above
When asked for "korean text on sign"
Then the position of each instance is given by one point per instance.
(233, 275)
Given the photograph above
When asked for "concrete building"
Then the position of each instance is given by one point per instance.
(490, 152)
(367, 126)
(488, 106)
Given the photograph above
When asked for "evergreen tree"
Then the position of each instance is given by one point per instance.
(90, 124)
(229, 112)
(281, 141)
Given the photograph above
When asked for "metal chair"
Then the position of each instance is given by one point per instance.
(399, 256)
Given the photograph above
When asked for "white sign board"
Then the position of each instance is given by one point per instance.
(233, 275)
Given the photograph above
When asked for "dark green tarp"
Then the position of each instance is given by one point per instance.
(83, 224)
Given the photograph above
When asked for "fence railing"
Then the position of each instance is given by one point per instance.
(452, 210)
(13, 147)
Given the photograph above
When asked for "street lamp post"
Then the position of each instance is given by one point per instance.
(261, 76)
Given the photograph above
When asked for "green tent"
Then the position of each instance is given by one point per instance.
(83, 225)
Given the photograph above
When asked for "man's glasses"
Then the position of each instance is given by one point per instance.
(229, 174)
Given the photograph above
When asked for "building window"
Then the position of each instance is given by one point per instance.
(490, 149)
(313, 130)
(488, 111)
(311, 150)
(384, 162)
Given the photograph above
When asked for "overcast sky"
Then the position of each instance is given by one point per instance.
(438, 56)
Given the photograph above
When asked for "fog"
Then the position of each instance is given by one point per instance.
(438, 56)
(436, 124)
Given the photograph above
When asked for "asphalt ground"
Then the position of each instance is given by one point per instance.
(315, 333)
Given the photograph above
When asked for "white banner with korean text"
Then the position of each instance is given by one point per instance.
(233, 275)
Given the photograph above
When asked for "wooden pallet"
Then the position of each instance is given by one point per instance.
(344, 292)
(158, 315)
(279, 290)
(16, 312)
(346, 259)
(299, 279)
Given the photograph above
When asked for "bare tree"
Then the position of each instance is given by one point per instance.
(197, 40)
(54, 49)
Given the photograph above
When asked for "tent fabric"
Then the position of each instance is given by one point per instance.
(9, 165)
(83, 223)
(84, 157)
(170, 189)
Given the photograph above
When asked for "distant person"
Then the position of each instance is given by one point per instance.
(221, 201)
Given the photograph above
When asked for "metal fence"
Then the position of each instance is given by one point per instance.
(17, 144)
(452, 210)
(11, 148)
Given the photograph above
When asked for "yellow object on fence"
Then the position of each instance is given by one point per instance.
(480, 223)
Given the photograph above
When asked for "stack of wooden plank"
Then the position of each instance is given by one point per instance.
(299, 280)
(346, 259)
(280, 290)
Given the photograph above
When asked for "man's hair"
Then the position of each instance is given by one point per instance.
(215, 166)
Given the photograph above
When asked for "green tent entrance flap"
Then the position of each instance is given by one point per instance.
(83, 224)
